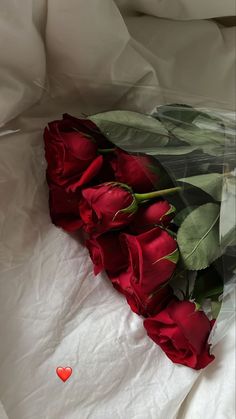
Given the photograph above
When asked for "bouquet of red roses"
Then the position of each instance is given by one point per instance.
(146, 192)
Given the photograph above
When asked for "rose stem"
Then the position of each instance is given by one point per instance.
(156, 194)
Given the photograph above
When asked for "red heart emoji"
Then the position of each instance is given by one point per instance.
(64, 373)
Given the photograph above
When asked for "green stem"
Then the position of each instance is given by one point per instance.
(145, 196)
(106, 150)
(156, 194)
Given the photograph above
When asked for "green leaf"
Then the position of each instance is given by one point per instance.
(180, 217)
(131, 130)
(171, 130)
(198, 237)
(177, 113)
(210, 183)
(135, 132)
(197, 136)
(168, 150)
(198, 129)
(209, 284)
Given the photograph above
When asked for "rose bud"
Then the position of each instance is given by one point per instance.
(107, 206)
(153, 257)
(71, 156)
(148, 216)
(140, 172)
(64, 209)
(182, 333)
(106, 253)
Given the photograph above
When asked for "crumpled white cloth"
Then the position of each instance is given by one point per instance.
(181, 9)
(84, 56)
(101, 60)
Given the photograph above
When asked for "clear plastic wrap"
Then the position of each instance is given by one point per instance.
(199, 155)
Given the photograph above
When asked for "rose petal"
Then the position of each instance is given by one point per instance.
(88, 174)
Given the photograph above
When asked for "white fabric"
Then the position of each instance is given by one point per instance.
(182, 9)
(52, 310)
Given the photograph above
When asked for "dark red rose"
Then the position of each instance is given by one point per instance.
(150, 305)
(152, 259)
(64, 209)
(140, 172)
(153, 256)
(182, 332)
(87, 127)
(106, 253)
(147, 217)
(139, 302)
(106, 206)
(71, 156)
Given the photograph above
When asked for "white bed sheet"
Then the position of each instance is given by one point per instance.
(52, 310)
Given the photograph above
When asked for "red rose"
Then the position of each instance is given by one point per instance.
(139, 302)
(142, 173)
(153, 256)
(87, 127)
(71, 156)
(182, 332)
(149, 306)
(147, 217)
(106, 253)
(106, 206)
(64, 209)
